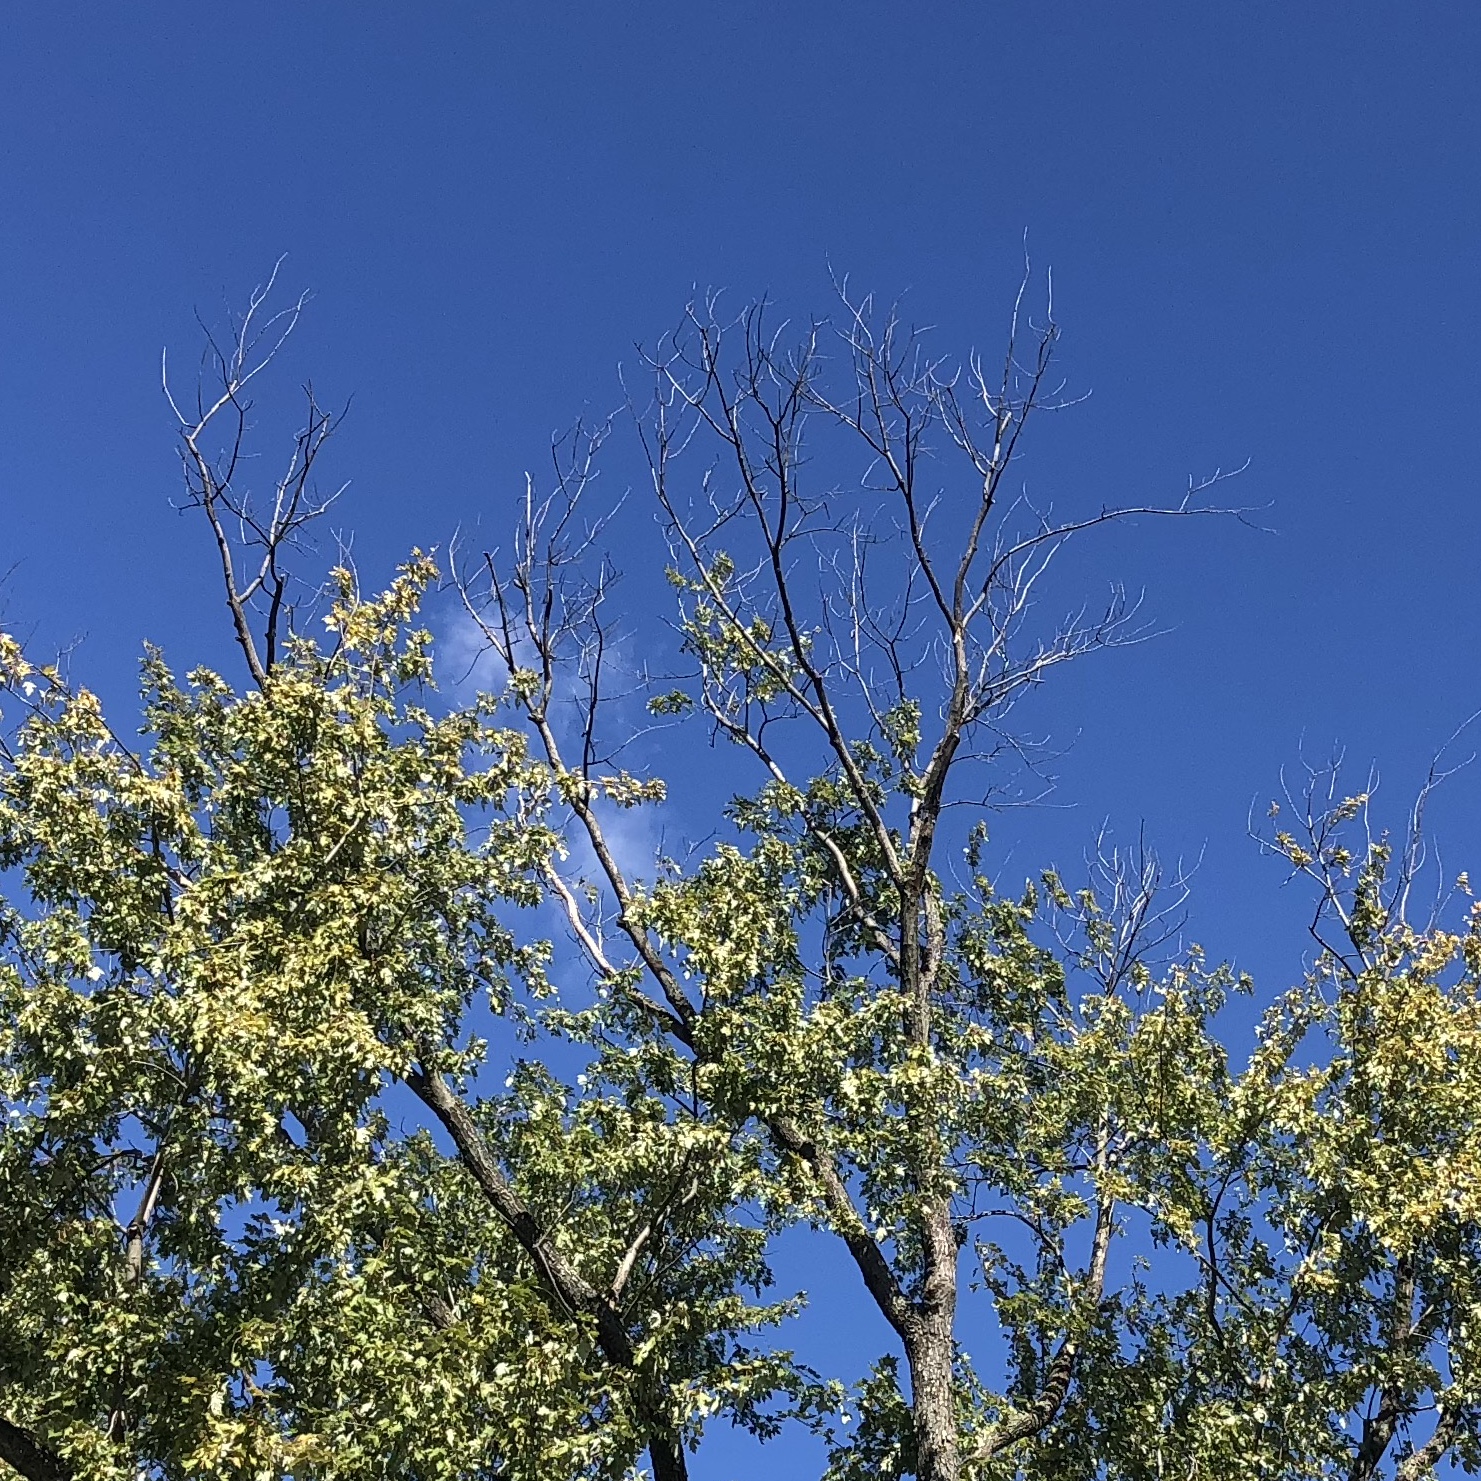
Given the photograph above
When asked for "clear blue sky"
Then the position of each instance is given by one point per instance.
(1263, 221)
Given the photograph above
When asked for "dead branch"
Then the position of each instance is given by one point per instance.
(254, 535)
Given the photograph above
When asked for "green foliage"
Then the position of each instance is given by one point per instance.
(225, 1250)
(1034, 1080)
(267, 1210)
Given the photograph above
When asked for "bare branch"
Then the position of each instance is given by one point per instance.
(253, 537)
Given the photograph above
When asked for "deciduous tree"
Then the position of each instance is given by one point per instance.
(260, 1218)
(265, 1214)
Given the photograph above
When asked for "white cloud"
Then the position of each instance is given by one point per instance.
(467, 666)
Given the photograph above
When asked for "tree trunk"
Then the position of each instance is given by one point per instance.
(655, 1412)
(666, 1453)
(929, 1354)
(930, 1348)
(25, 1454)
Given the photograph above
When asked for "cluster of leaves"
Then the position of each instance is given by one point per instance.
(1315, 1306)
(320, 1158)
(229, 1246)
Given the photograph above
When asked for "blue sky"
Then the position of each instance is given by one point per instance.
(1262, 219)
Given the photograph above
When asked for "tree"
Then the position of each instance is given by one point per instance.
(240, 956)
(224, 1252)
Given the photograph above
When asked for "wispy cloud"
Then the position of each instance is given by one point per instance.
(636, 836)
(467, 665)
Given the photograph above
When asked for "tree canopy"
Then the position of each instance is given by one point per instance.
(270, 1205)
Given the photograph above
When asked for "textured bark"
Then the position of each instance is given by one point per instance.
(930, 1348)
(1423, 1460)
(933, 1405)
